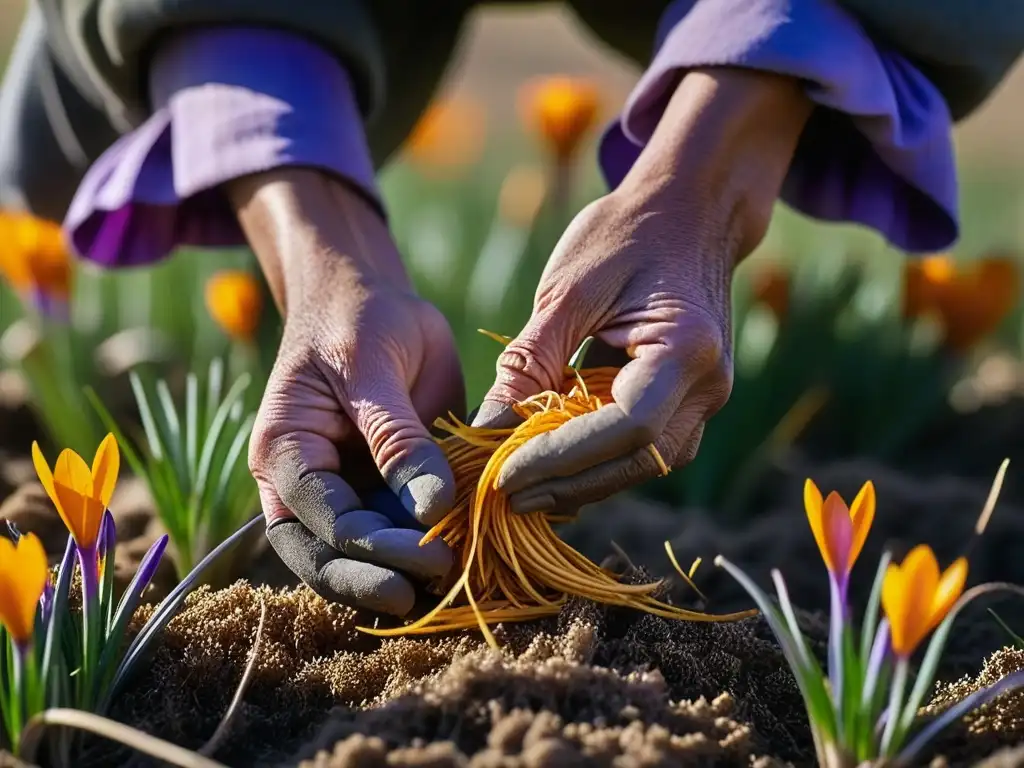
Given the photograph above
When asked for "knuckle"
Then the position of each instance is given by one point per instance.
(641, 432)
(528, 365)
(390, 436)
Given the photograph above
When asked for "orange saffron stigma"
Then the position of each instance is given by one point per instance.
(515, 567)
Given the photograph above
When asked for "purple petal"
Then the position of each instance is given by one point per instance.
(46, 602)
(108, 536)
(147, 568)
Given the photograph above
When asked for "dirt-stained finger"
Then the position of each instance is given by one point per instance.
(677, 446)
(349, 582)
(648, 392)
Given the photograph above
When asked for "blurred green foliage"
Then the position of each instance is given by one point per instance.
(841, 355)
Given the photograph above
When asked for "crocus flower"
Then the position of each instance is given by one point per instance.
(234, 300)
(916, 598)
(35, 260)
(771, 288)
(79, 493)
(970, 299)
(23, 577)
(562, 111)
(448, 137)
(840, 531)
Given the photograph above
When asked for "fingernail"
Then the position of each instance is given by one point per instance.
(494, 415)
(523, 505)
(427, 497)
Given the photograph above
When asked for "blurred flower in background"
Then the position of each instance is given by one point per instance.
(448, 138)
(36, 260)
(234, 299)
(770, 286)
(561, 111)
(519, 202)
(969, 299)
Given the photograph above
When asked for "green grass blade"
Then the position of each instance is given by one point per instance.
(220, 417)
(214, 390)
(156, 446)
(191, 425)
(231, 463)
(172, 427)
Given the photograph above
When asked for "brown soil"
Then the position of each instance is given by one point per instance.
(594, 686)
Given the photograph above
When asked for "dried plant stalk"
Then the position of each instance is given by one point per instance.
(515, 567)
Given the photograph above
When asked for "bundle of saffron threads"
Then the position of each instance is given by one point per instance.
(515, 567)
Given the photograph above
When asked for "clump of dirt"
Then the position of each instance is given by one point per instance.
(985, 730)
(593, 681)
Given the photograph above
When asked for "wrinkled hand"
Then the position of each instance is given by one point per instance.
(637, 284)
(347, 471)
(647, 270)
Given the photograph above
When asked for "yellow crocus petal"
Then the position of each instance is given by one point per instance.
(948, 591)
(862, 514)
(23, 575)
(814, 505)
(81, 514)
(45, 475)
(907, 598)
(105, 468)
(72, 471)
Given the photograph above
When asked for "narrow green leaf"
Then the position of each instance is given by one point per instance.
(1017, 639)
(220, 417)
(214, 388)
(174, 442)
(168, 609)
(871, 612)
(231, 462)
(192, 425)
(156, 447)
(809, 680)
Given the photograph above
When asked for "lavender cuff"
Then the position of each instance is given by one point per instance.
(877, 149)
(228, 103)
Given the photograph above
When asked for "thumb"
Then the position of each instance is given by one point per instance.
(532, 363)
(411, 462)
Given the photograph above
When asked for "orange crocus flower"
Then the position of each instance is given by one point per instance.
(562, 111)
(970, 299)
(234, 300)
(771, 288)
(81, 494)
(840, 531)
(23, 576)
(34, 256)
(448, 136)
(916, 598)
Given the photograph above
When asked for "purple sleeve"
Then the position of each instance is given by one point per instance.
(227, 103)
(877, 149)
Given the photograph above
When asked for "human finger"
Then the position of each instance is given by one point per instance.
(567, 494)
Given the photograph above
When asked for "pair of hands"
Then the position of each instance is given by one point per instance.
(347, 470)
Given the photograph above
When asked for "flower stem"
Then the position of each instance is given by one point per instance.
(91, 621)
(899, 686)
